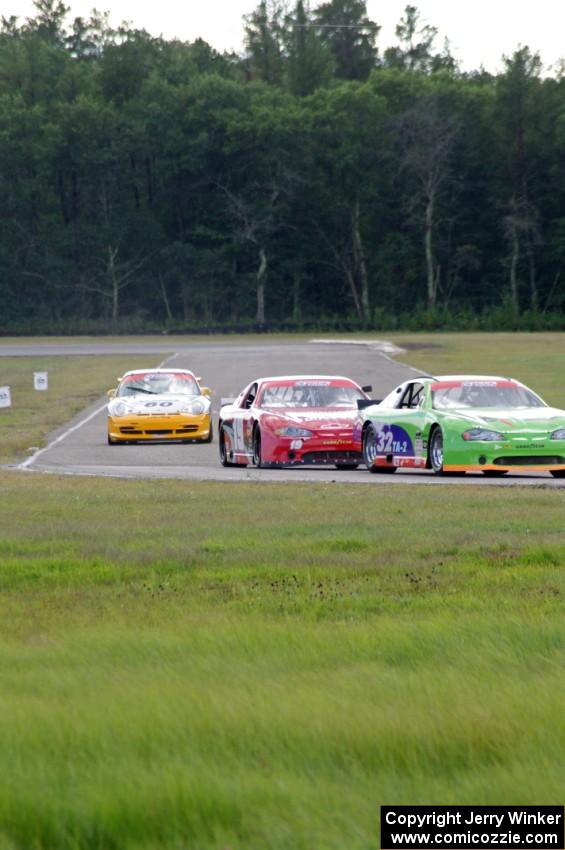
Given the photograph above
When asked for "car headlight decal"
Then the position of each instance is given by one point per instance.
(290, 431)
(120, 409)
(482, 434)
(194, 407)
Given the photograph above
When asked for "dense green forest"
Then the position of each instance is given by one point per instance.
(314, 180)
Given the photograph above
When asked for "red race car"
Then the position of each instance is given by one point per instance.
(304, 419)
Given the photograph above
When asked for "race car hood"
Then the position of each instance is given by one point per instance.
(144, 404)
(537, 420)
(315, 419)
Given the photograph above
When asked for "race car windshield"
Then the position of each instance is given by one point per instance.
(498, 394)
(156, 383)
(310, 395)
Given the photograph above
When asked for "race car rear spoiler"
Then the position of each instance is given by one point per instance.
(225, 401)
(362, 403)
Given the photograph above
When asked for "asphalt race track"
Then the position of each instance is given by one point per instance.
(80, 446)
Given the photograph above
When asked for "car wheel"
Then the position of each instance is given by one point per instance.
(435, 455)
(558, 473)
(370, 452)
(344, 466)
(494, 473)
(223, 451)
(436, 451)
(369, 447)
(257, 456)
(112, 442)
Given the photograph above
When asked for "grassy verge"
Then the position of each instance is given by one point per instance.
(74, 382)
(262, 666)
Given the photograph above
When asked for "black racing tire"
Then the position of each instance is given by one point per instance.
(112, 442)
(435, 451)
(346, 466)
(368, 446)
(435, 454)
(222, 449)
(494, 473)
(257, 455)
(370, 452)
(558, 473)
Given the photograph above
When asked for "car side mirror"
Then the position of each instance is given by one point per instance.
(367, 389)
(362, 403)
(206, 391)
(111, 393)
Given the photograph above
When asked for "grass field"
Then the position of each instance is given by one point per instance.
(190, 666)
(185, 666)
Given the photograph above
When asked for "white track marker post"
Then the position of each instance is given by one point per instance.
(5, 397)
(40, 381)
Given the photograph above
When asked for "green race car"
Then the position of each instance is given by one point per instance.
(463, 423)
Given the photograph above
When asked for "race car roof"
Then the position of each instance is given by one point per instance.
(153, 371)
(304, 378)
(472, 378)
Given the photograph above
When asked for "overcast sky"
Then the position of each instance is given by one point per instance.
(480, 31)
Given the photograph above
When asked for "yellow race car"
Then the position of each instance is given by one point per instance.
(159, 404)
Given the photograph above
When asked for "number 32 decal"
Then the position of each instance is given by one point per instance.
(393, 441)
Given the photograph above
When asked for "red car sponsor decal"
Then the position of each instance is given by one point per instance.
(156, 375)
(446, 385)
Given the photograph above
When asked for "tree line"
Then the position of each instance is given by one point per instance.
(310, 181)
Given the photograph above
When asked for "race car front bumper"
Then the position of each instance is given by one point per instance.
(506, 457)
(315, 452)
(152, 428)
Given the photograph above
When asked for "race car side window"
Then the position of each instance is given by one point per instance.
(405, 397)
(412, 396)
(393, 398)
(250, 397)
(418, 395)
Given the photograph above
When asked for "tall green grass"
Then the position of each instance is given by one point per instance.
(198, 666)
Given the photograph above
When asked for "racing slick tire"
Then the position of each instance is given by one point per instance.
(436, 451)
(558, 473)
(222, 447)
(257, 455)
(370, 452)
(112, 442)
(346, 466)
(435, 454)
